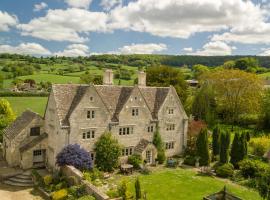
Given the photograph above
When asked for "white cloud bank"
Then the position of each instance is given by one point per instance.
(109, 4)
(25, 48)
(7, 21)
(142, 48)
(79, 3)
(74, 50)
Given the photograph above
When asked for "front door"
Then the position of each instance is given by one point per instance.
(149, 156)
(39, 158)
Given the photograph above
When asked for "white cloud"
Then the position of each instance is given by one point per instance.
(39, 7)
(109, 4)
(216, 48)
(65, 25)
(188, 49)
(183, 18)
(79, 3)
(25, 48)
(142, 48)
(74, 50)
(7, 21)
(266, 52)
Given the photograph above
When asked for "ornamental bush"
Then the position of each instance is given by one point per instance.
(47, 180)
(107, 151)
(75, 156)
(60, 194)
(135, 160)
(252, 168)
(225, 170)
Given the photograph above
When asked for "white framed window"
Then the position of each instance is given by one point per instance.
(90, 114)
(127, 151)
(135, 111)
(88, 135)
(169, 145)
(170, 127)
(125, 130)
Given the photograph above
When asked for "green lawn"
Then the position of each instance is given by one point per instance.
(265, 75)
(20, 104)
(176, 184)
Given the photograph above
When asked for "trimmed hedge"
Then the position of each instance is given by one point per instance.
(24, 94)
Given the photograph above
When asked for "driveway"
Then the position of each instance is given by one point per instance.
(18, 193)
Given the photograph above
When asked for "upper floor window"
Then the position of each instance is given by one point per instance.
(169, 145)
(135, 111)
(92, 155)
(88, 135)
(90, 114)
(125, 130)
(91, 99)
(170, 111)
(35, 131)
(170, 127)
(150, 129)
(127, 151)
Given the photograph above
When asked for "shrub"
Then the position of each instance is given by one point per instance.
(123, 191)
(252, 168)
(259, 145)
(75, 156)
(107, 151)
(135, 160)
(190, 160)
(225, 170)
(77, 191)
(60, 194)
(47, 179)
(248, 119)
(112, 193)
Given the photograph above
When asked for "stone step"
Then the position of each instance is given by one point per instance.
(29, 173)
(20, 180)
(8, 182)
(23, 176)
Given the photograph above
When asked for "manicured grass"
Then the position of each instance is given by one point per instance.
(265, 75)
(175, 184)
(20, 104)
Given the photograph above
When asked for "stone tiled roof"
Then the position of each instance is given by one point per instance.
(141, 146)
(68, 96)
(20, 123)
(32, 142)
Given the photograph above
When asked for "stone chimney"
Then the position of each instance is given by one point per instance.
(141, 78)
(108, 77)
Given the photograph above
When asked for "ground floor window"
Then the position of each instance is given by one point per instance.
(92, 155)
(125, 130)
(37, 152)
(169, 145)
(127, 151)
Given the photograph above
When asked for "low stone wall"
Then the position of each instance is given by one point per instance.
(77, 176)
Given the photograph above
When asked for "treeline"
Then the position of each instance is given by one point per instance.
(141, 60)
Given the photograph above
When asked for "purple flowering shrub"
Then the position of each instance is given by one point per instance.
(76, 156)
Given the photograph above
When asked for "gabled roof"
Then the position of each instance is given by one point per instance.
(32, 142)
(141, 146)
(20, 123)
(68, 96)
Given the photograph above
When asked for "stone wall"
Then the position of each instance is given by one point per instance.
(70, 171)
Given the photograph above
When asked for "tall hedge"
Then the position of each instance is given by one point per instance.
(225, 139)
(216, 141)
(202, 148)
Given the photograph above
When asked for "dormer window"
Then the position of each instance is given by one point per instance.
(91, 99)
(90, 114)
(170, 111)
(35, 131)
(135, 98)
(135, 111)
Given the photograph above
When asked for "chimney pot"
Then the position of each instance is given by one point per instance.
(108, 77)
(141, 78)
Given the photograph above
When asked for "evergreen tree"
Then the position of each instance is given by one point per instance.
(224, 147)
(157, 141)
(216, 141)
(138, 189)
(236, 150)
(202, 148)
(243, 150)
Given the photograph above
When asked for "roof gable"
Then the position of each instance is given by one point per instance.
(20, 123)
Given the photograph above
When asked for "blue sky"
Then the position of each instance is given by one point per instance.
(85, 27)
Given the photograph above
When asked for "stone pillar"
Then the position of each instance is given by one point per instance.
(141, 78)
(108, 77)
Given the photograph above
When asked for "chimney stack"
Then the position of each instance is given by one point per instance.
(141, 78)
(108, 77)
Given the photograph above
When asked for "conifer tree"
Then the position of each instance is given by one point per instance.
(216, 141)
(157, 141)
(138, 189)
(236, 150)
(202, 148)
(224, 147)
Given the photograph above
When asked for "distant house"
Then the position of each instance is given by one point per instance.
(82, 113)
(192, 83)
(25, 87)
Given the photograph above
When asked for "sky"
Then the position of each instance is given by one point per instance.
(177, 27)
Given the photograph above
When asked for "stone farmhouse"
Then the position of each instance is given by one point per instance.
(82, 113)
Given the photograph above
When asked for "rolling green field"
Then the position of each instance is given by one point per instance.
(175, 184)
(20, 104)
(265, 75)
